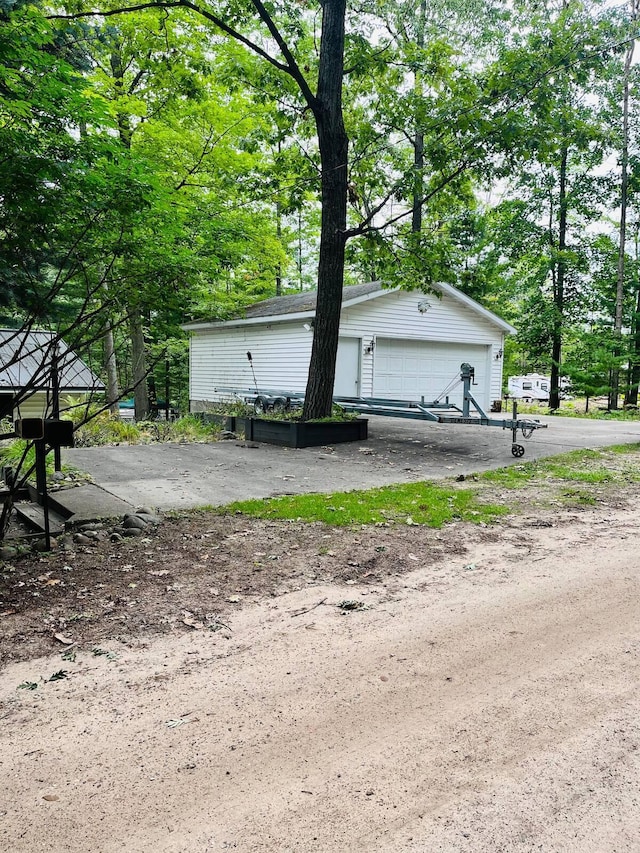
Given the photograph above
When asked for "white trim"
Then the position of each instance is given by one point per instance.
(198, 326)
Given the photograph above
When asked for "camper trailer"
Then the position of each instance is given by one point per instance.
(532, 388)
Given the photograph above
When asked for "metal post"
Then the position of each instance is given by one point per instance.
(41, 487)
(514, 415)
(166, 389)
(465, 375)
(55, 405)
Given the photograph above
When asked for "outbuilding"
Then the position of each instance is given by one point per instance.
(28, 359)
(393, 344)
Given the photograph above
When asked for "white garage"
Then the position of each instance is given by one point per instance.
(394, 344)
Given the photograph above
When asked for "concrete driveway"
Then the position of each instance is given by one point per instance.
(175, 476)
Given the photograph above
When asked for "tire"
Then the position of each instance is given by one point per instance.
(280, 405)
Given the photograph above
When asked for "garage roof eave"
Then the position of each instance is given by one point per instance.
(284, 317)
(203, 325)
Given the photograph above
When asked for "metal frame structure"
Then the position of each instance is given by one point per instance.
(435, 411)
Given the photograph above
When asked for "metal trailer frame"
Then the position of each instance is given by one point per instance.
(435, 411)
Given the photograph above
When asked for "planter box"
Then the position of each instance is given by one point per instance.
(303, 433)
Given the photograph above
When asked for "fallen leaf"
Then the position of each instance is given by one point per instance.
(59, 675)
(51, 798)
(180, 721)
(234, 599)
(348, 605)
(192, 623)
(8, 612)
(67, 641)
(413, 557)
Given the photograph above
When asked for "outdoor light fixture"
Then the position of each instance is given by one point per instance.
(308, 327)
(423, 306)
(499, 355)
(369, 347)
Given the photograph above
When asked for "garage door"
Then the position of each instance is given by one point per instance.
(409, 370)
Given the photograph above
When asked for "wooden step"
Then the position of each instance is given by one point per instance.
(33, 514)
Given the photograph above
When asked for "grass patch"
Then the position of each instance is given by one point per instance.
(578, 466)
(413, 503)
(579, 478)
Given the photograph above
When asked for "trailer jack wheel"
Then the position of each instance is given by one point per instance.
(517, 450)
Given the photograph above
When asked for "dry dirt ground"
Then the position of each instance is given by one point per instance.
(259, 686)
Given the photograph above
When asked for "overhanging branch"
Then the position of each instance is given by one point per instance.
(292, 71)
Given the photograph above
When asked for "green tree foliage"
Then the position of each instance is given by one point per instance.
(173, 161)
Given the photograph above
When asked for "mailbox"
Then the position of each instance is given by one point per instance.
(55, 432)
(31, 428)
(58, 433)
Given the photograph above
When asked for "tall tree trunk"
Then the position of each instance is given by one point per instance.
(624, 187)
(333, 144)
(418, 140)
(558, 296)
(279, 238)
(139, 366)
(111, 368)
(279, 230)
(138, 354)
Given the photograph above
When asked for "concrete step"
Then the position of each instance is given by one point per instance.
(87, 503)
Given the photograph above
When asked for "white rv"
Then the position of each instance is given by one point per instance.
(532, 388)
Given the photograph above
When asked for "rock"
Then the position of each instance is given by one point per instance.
(82, 539)
(40, 545)
(93, 525)
(149, 518)
(144, 510)
(58, 476)
(134, 521)
(89, 534)
(133, 531)
(116, 537)
(227, 435)
(8, 553)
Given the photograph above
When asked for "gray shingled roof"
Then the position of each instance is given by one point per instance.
(25, 359)
(299, 303)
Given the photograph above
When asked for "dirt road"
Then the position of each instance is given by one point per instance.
(489, 701)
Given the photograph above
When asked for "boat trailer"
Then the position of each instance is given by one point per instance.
(437, 411)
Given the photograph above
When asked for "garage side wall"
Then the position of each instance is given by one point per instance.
(218, 361)
(439, 319)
